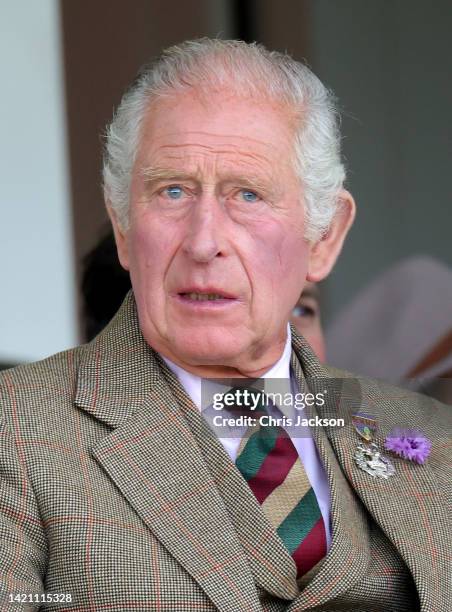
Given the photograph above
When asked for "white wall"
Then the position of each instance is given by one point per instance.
(37, 299)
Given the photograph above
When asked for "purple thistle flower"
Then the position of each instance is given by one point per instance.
(408, 443)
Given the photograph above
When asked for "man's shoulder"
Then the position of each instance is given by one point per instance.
(393, 405)
(116, 369)
(36, 388)
(376, 387)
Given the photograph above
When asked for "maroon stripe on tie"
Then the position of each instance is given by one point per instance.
(311, 550)
(273, 471)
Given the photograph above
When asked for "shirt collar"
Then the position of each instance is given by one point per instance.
(192, 383)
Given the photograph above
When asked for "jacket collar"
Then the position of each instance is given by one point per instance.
(117, 369)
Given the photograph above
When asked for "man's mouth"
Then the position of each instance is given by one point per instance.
(203, 297)
(206, 292)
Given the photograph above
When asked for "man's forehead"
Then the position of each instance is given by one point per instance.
(178, 143)
(230, 122)
(226, 138)
(198, 152)
(220, 153)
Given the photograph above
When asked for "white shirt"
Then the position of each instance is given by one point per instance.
(305, 446)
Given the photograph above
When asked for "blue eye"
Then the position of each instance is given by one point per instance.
(302, 311)
(174, 192)
(249, 196)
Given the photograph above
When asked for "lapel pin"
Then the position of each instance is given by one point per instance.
(367, 455)
(409, 444)
(365, 425)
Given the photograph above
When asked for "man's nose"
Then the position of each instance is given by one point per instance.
(206, 228)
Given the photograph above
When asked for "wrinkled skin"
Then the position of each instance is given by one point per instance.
(216, 207)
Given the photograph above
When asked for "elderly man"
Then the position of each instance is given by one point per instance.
(224, 185)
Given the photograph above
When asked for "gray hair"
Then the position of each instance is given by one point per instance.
(249, 69)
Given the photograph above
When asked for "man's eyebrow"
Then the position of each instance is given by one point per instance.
(153, 174)
(311, 292)
(252, 181)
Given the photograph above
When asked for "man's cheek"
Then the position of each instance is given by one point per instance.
(293, 252)
(148, 249)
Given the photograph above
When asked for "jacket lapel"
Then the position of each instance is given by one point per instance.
(408, 506)
(152, 457)
(271, 564)
(348, 558)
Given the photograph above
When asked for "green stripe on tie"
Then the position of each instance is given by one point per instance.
(255, 452)
(300, 521)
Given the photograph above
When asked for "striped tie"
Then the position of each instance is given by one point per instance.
(270, 464)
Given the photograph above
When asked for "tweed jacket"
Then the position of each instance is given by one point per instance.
(112, 491)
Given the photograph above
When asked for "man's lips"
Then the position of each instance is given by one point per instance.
(225, 295)
(206, 299)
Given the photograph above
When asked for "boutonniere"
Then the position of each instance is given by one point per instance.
(409, 444)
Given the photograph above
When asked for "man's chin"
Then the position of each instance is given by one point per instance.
(218, 352)
(208, 348)
(207, 355)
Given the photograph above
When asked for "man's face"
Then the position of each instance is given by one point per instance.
(216, 208)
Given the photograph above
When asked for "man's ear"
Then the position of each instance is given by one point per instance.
(325, 251)
(120, 237)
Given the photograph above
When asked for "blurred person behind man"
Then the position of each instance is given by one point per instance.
(105, 284)
(307, 319)
(405, 316)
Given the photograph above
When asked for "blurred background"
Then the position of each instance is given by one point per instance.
(65, 64)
